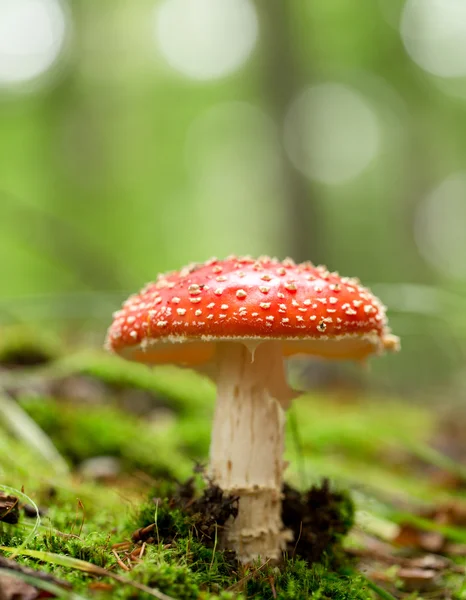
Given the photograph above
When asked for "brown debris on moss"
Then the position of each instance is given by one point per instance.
(9, 509)
(413, 535)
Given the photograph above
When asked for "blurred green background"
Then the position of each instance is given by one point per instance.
(139, 136)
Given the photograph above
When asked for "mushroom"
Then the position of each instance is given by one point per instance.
(241, 318)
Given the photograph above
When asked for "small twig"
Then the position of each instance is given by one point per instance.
(143, 532)
(143, 549)
(120, 562)
(121, 546)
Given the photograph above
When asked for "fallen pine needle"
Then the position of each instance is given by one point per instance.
(120, 562)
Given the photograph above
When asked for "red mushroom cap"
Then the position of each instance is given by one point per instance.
(311, 310)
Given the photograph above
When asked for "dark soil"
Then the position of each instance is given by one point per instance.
(319, 518)
(186, 510)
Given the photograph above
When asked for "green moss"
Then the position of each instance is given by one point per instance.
(80, 433)
(181, 555)
(361, 428)
(175, 517)
(186, 391)
(22, 346)
(297, 580)
(93, 548)
(174, 579)
(179, 560)
(350, 443)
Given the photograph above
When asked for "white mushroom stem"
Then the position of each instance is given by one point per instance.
(246, 454)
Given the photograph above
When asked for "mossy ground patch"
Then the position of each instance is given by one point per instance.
(361, 444)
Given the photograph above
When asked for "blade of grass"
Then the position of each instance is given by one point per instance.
(26, 429)
(40, 584)
(455, 534)
(85, 567)
(298, 444)
(437, 459)
(378, 590)
(14, 492)
(186, 388)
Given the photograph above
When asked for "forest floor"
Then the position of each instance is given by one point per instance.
(102, 493)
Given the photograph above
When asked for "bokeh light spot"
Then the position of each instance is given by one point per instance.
(391, 11)
(331, 133)
(32, 34)
(434, 35)
(206, 39)
(440, 226)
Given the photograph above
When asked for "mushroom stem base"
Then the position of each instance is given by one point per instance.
(246, 454)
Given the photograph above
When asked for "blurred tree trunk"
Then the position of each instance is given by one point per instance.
(282, 80)
(78, 203)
